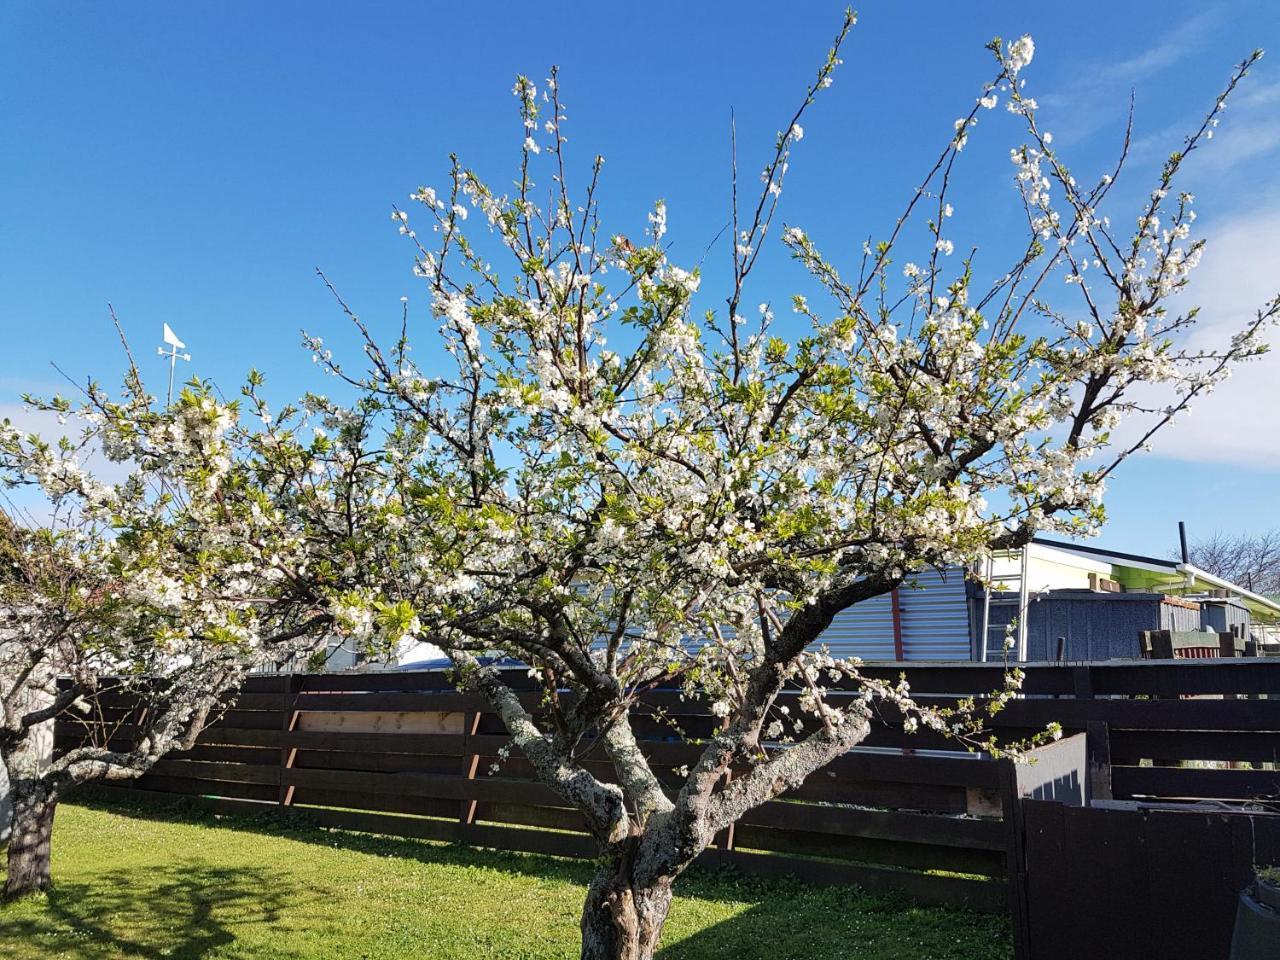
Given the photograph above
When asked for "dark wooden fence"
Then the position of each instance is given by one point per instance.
(1172, 729)
(403, 753)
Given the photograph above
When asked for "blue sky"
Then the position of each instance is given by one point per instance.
(194, 164)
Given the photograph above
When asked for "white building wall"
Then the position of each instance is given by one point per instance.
(1051, 569)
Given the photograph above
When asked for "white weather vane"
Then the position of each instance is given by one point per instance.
(174, 356)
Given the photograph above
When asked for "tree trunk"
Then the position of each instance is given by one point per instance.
(622, 920)
(29, 854)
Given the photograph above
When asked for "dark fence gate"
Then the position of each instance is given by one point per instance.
(1138, 880)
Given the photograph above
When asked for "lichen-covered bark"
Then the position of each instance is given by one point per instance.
(29, 857)
(625, 910)
(6, 805)
(643, 790)
(602, 804)
(786, 770)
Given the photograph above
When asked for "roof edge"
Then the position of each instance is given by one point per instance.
(1168, 565)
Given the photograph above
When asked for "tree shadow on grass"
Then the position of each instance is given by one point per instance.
(189, 911)
(295, 826)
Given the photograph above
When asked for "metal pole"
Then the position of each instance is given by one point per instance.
(173, 365)
(1023, 604)
(986, 611)
(174, 356)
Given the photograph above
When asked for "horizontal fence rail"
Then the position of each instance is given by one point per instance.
(405, 753)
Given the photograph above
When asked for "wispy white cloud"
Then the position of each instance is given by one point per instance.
(1096, 91)
(1250, 129)
(1167, 51)
(1241, 144)
(1258, 95)
(1238, 422)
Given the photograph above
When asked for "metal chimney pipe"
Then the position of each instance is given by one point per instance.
(1182, 536)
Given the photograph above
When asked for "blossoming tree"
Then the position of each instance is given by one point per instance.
(623, 492)
(155, 593)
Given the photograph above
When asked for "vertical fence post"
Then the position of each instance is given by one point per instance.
(1160, 643)
(470, 764)
(722, 842)
(1098, 747)
(1082, 681)
(1015, 861)
(292, 685)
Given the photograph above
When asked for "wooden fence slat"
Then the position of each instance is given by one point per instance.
(250, 755)
(528, 815)
(185, 786)
(1107, 678)
(248, 720)
(443, 744)
(1149, 714)
(376, 762)
(936, 798)
(880, 824)
(1128, 782)
(1031, 711)
(426, 701)
(962, 770)
(1130, 746)
(213, 770)
(313, 797)
(399, 681)
(447, 787)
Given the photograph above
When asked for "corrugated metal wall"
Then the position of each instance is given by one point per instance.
(864, 630)
(934, 615)
(1225, 616)
(1175, 616)
(1094, 626)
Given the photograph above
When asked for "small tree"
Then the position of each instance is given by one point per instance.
(1249, 559)
(155, 594)
(691, 501)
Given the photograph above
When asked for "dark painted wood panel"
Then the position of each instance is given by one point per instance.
(1176, 782)
(985, 834)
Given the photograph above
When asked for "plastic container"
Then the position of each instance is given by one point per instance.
(1257, 932)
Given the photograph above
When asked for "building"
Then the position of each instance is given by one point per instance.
(1080, 603)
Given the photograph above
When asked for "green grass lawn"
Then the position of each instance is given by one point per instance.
(133, 884)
